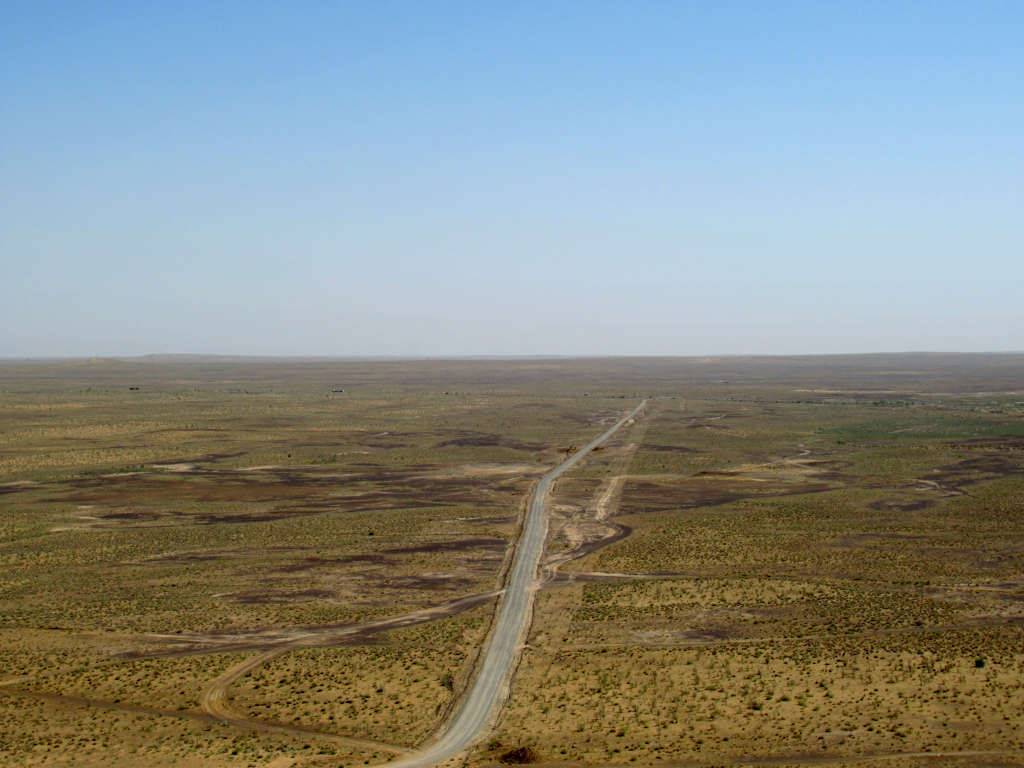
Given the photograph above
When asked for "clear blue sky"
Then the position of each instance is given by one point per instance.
(550, 177)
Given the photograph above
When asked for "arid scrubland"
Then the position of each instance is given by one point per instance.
(785, 561)
(809, 576)
(164, 522)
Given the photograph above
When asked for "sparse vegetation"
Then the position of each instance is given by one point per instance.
(804, 560)
(808, 580)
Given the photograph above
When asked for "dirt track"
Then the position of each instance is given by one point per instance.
(214, 703)
(270, 644)
(308, 637)
(510, 625)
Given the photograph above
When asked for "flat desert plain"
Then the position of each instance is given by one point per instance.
(247, 562)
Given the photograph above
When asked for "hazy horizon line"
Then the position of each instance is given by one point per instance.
(200, 356)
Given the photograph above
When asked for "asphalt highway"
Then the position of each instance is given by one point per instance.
(510, 626)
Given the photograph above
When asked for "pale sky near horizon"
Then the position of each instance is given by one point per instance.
(439, 178)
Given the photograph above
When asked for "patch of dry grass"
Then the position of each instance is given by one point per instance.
(839, 544)
(397, 692)
(832, 696)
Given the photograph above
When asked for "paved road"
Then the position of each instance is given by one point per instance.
(509, 626)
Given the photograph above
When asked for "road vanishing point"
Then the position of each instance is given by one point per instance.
(510, 626)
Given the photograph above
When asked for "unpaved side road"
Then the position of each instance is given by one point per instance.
(214, 699)
(214, 703)
(510, 625)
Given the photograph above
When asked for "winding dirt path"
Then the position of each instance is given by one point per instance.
(270, 644)
(308, 637)
(214, 700)
(215, 704)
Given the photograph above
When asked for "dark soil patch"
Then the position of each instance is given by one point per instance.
(833, 477)
(971, 471)
(145, 515)
(433, 583)
(311, 563)
(204, 487)
(192, 557)
(488, 440)
(900, 505)
(459, 545)
(208, 458)
(279, 598)
(364, 503)
(1005, 443)
(708, 635)
(294, 493)
(410, 492)
(656, 448)
(263, 422)
(827, 469)
(472, 442)
(184, 558)
(640, 497)
(520, 756)
(162, 518)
